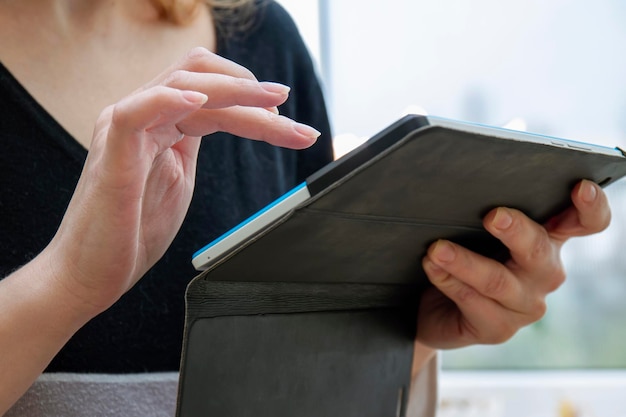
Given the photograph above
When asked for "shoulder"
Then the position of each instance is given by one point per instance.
(273, 50)
(270, 43)
(275, 19)
(278, 28)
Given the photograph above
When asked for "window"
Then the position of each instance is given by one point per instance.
(531, 65)
(554, 68)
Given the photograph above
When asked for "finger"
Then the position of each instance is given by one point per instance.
(202, 60)
(438, 322)
(483, 275)
(593, 207)
(155, 110)
(225, 91)
(590, 214)
(252, 123)
(480, 318)
(529, 244)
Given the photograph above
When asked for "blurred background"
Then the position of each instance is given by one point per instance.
(552, 68)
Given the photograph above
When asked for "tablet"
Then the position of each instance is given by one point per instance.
(429, 175)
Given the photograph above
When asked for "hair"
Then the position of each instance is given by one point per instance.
(230, 16)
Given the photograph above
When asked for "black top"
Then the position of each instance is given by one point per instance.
(40, 164)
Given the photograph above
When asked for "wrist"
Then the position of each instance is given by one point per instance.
(422, 354)
(59, 278)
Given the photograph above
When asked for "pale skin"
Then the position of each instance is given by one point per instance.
(140, 171)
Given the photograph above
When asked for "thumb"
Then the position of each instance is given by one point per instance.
(143, 125)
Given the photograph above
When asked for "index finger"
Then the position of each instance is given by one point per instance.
(202, 60)
(530, 245)
(590, 213)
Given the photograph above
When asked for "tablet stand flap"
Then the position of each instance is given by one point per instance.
(297, 349)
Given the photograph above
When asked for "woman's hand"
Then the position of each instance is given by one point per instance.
(129, 203)
(138, 179)
(476, 300)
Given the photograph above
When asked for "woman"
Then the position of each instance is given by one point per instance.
(85, 235)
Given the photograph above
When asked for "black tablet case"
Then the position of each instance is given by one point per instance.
(315, 315)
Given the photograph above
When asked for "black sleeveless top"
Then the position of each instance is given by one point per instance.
(40, 164)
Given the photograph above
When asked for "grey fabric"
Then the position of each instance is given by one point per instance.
(99, 395)
(152, 395)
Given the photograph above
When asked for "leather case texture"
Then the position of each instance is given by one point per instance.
(315, 315)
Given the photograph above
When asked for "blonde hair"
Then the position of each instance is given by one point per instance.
(230, 16)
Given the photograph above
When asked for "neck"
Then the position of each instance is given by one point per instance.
(67, 18)
(102, 49)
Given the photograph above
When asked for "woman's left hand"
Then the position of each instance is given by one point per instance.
(476, 300)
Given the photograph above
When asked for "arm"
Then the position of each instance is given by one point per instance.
(129, 203)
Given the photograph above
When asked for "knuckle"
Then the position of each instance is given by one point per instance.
(499, 333)
(270, 128)
(456, 290)
(497, 283)
(538, 310)
(501, 338)
(201, 59)
(464, 293)
(541, 247)
(270, 119)
(176, 77)
(105, 115)
(442, 280)
(238, 81)
(198, 59)
(198, 53)
(436, 276)
(556, 279)
(241, 84)
(120, 117)
(219, 124)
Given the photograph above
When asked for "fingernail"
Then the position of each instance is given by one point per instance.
(503, 219)
(306, 130)
(433, 267)
(587, 192)
(275, 88)
(195, 97)
(444, 252)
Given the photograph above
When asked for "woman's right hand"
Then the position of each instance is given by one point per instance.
(129, 203)
(138, 179)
